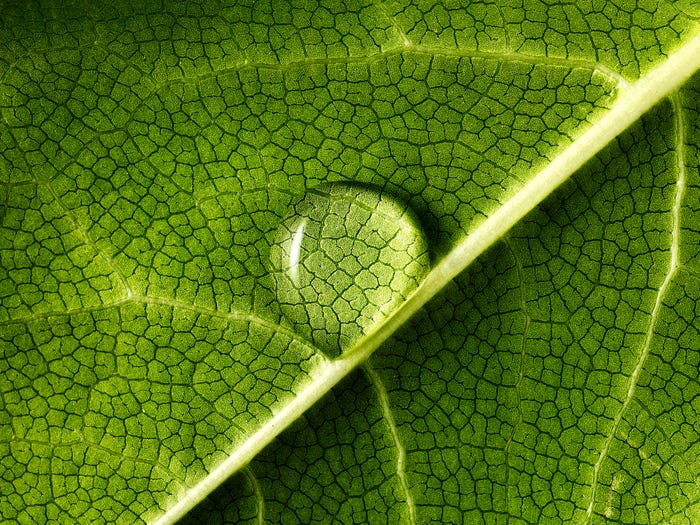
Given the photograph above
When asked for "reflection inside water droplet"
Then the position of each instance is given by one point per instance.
(295, 251)
(343, 258)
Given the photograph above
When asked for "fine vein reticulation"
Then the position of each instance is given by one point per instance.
(400, 452)
(147, 156)
(673, 262)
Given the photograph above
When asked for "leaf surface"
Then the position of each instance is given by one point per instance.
(147, 158)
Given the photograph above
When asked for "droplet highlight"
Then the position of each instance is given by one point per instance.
(343, 258)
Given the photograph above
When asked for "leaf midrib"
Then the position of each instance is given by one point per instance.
(632, 103)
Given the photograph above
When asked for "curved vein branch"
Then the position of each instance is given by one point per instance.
(383, 397)
(659, 83)
(658, 303)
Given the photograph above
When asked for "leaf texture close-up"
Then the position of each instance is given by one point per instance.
(398, 262)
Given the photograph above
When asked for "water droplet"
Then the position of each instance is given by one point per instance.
(344, 257)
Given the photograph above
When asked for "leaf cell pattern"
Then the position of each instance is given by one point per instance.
(147, 156)
(543, 418)
(107, 413)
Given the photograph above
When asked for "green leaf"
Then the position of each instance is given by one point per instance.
(544, 371)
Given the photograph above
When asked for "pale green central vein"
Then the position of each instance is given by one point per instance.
(634, 102)
(654, 317)
(319, 383)
(509, 56)
(400, 451)
(233, 315)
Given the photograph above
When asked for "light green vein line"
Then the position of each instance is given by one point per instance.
(641, 96)
(321, 380)
(89, 241)
(627, 109)
(383, 397)
(654, 317)
(381, 7)
(257, 492)
(404, 47)
(233, 315)
(519, 381)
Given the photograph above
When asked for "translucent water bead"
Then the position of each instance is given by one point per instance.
(343, 258)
